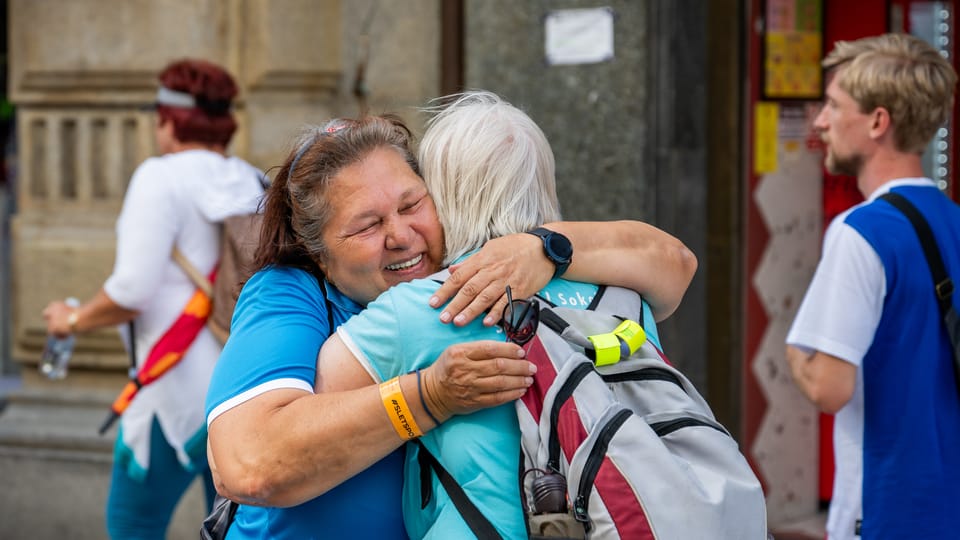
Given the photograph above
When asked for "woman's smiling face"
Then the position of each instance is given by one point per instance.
(383, 229)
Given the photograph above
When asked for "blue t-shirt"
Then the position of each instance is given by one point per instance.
(399, 333)
(279, 325)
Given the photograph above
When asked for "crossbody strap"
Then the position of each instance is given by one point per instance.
(201, 282)
(195, 276)
(943, 285)
(478, 523)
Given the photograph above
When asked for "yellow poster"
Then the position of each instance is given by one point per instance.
(793, 46)
(766, 116)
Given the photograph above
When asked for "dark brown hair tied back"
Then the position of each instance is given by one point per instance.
(297, 210)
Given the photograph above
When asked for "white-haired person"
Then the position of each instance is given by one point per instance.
(490, 171)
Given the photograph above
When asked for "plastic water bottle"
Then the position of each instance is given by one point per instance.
(57, 352)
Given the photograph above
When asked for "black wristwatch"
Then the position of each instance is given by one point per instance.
(557, 248)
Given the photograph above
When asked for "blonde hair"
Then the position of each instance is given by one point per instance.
(902, 74)
(489, 169)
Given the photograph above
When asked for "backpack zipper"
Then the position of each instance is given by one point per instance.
(577, 375)
(667, 427)
(644, 374)
(592, 465)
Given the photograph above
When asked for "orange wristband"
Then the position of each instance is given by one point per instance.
(398, 410)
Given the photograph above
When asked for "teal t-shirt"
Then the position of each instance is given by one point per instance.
(400, 332)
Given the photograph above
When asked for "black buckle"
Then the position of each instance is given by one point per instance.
(944, 289)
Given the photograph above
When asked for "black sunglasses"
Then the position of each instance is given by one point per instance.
(520, 319)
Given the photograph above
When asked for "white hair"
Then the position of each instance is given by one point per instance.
(489, 169)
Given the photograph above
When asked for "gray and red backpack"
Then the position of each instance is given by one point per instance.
(616, 442)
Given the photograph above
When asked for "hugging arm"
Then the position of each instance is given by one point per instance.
(629, 254)
(288, 446)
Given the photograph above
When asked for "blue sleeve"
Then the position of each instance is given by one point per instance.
(279, 324)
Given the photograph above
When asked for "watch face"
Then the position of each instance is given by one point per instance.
(559, 246)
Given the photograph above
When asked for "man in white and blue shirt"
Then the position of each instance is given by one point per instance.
(868, 342)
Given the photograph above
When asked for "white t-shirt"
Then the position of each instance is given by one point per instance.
(177, 199)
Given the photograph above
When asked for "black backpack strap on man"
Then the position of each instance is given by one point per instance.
(942, 284)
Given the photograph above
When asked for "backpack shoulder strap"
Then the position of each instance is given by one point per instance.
(943, 285)
(610, 329)
(617, 302)
(478, 523)
(620, 302)
(195, 276)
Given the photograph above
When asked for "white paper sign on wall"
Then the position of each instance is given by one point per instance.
(579, 36)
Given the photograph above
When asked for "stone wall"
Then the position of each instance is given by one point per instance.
(629, 134)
